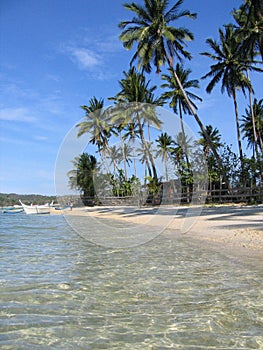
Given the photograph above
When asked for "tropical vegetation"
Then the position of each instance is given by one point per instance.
(133, 150)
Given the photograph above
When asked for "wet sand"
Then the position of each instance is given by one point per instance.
(231, 227)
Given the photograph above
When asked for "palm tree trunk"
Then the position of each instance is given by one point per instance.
(198, 120)
(184, 143)
(166, 167)
(257, 137)
(124, 157)
(134, 158)
(238, 128)
(148, 154)
(184, 138)
(103, 153)
(252, 113)
(149, 133)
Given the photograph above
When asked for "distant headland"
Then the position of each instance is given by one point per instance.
(9, 199)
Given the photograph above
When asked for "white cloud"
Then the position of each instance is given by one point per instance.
(93, 53)
(16, 114)
(86, 58)
(40, 138)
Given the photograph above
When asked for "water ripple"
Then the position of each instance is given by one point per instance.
(60, 292)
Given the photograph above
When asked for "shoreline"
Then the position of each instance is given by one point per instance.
(234, 228)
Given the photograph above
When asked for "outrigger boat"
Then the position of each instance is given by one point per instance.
(36, 209)
(13, 210)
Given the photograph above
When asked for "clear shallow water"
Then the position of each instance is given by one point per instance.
(58, 291)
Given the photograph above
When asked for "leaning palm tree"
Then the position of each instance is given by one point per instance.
(158, 42)
(230, 67)
(96, 123)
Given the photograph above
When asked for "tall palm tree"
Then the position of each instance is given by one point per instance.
(249, 34)
(176, 97)
(249, 18)
(96, 123)
(159, 42)
(230, 69)
(132, 102)
(165, 147)
(247, 127)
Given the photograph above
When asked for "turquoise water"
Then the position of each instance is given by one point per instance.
(58, 291)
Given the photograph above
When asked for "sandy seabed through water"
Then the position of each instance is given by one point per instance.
(235, 227)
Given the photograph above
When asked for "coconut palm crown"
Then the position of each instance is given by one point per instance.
(247, 127)
(249, 18)
(175, 95)
(96, 123)
(157, 41)
(230, 68)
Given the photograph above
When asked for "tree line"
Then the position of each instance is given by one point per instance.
(10, 199)
(159, 43)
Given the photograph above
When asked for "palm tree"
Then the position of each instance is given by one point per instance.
(132, 103)
(214, 174)
(179, 152)
(175, 95)
(230, 69)
(158, 42)
(164, 148)
(97, 124)
(177, 100)
(131, 134)
(81, 178)
(180, 156)
(247, 126)
(126, 151)
(119, 124)
(215, 137)
(114, 156)
(250, 37)
(249, 18)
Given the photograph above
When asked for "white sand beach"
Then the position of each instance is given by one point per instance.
(235, 227)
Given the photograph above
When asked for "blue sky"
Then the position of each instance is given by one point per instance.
(56, 54)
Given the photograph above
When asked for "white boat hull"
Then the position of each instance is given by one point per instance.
(12, 210)
(36, 209)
